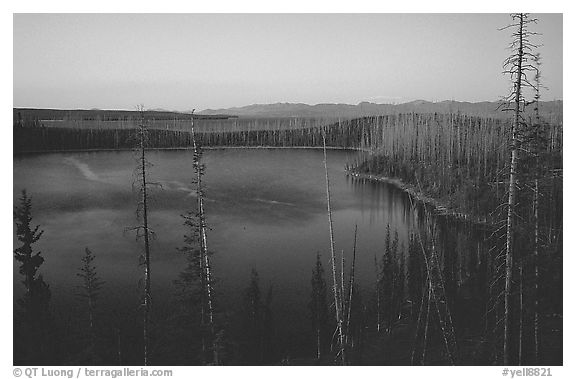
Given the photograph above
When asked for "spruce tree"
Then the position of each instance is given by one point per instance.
(319, 307)
(29, 260)
(91, 285)
(34, 322)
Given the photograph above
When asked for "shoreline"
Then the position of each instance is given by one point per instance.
(186, 148)
(439, 208)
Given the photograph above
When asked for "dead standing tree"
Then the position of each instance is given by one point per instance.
(143, 230)
(516, 65)
(538, 143)
(532, 176)
(205, 269)
(337, 295)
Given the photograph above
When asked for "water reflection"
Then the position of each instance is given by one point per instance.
(266, 210)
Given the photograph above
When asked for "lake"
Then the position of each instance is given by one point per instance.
(266, 210)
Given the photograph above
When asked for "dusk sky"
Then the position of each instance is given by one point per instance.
(185, 61)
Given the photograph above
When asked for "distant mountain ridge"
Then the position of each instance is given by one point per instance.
(327, 110)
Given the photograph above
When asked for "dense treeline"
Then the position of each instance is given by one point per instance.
(403, 136)
(183, 122)
(456, 159)
(32, 116)
(50, 139)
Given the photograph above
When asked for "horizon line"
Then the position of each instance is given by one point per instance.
(159, 109)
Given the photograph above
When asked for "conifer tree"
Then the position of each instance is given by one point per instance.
(319, 306)
(30, 261)
(91, 285)
(253, 328)
(34, 322)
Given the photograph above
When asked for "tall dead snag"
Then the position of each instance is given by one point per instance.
(516, 65)
(538, 144)
(143, 230)
(206, 274)
(337, 301)
(144, 199)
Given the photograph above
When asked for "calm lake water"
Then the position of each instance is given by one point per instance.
(266, 209)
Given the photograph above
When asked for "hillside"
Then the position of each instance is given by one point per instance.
(371, 109)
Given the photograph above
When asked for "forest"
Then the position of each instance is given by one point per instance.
(490, 187)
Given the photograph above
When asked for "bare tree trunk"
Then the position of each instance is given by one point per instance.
(512, 191)
(91, 316)
(342, 293)
(351, 285)
(204, 250)
(426, 323)
(147, 296)
(536, 218)
(420, 314)
(521, 321)
(377, 295)
(318, 353)
(92, 332)
(333, 256)
(536, 275)
(202, 304)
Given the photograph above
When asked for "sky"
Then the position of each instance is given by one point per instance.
(185, 61)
